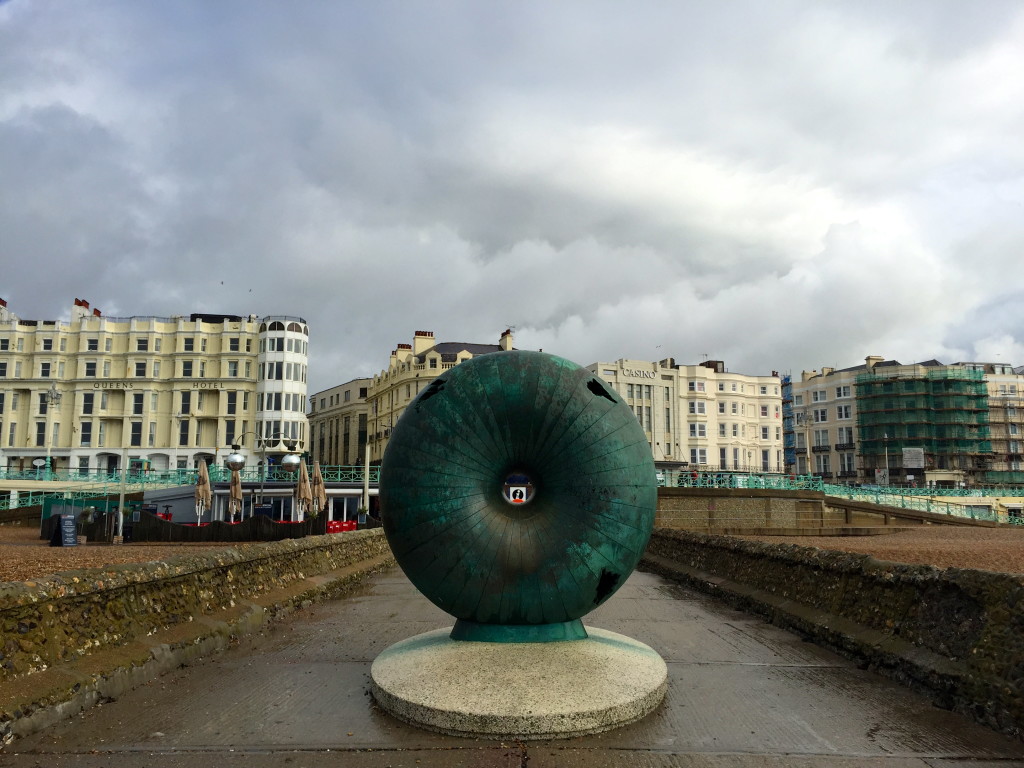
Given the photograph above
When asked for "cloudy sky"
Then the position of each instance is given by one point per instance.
(779, 185)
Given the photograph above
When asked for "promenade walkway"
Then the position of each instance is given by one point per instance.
(741, 694)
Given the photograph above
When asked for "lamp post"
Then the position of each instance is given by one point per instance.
(289, 444)
(235, 462)
(885, 445)
(52, 398)
(291, 463)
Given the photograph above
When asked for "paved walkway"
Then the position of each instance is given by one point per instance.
(741, 694)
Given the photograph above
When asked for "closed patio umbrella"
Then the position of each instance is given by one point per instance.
(204, 496)
(319, 491)
(303, 492)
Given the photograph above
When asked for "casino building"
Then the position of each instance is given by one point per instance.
(702, 416)
(159, 392)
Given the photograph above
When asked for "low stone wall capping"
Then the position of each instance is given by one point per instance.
(956, 634)
(709, 508)
(70, 615)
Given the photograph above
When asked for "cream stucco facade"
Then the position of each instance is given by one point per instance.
(410, 369)
(702, 415)
(163, 392)
(337, 424)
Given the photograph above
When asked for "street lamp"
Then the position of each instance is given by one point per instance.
(289, 445)
(52, 398)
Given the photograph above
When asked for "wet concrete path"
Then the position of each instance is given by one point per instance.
(741, 693)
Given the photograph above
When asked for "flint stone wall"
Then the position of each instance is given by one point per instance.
(957, 634)
(69, 615)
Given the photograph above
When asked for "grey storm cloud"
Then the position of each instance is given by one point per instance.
(782, 185)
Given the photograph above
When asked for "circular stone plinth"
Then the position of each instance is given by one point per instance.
(523, 690)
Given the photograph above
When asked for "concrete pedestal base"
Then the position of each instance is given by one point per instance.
(519, 690)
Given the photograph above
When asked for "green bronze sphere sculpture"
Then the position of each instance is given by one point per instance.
(518, 494)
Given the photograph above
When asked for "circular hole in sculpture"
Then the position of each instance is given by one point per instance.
(518, 488)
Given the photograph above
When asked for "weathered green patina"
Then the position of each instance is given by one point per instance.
(518, 572)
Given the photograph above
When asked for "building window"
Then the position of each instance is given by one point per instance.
(186, 403)
(186, 368)
(106, 369)
(698, 430)
(818, 396)
(189, 344)
(233, 369)
(229, 431)
(136, 434)
(88, 398)
(232, 402)
(764, 411)
(846, 463)
(5, 345)
(202, 369)
(843, 391)
(40, 433)
(156, 345)
(92, 345)
(764, 461)
(47, 345)
(233, 344)
(698, 455)
(137, 402)
(821, 438)
(90, 369)
(85, 433)
(44, 370)
(821, 463)
(140, 369)
(156, 369)
(846, 435)
(820, 415)
(763, 390)
(842, 412)
(43, 401)
(107, 345)
(142, 345)
(695, 386)
(697, 406)
(152, 434)
(11, 433)
(2, 394)
(183, 432)
(764, 433)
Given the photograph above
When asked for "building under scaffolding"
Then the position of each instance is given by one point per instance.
(941, 410)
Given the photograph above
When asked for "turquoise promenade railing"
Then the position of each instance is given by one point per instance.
(76, 484)
(917, 499)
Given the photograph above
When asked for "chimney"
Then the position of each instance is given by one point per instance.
(3, 303)
(872, 360)
(96, 313)
(80, 310)
(505, 342)
(422, 341)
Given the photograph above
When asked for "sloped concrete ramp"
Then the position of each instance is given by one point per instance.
(741, 693)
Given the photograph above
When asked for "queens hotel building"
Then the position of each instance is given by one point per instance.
(703, 416)
(164, 392)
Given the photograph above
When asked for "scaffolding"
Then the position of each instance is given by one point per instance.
(945, 412)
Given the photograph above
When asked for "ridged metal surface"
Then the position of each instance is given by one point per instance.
(470, 551)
